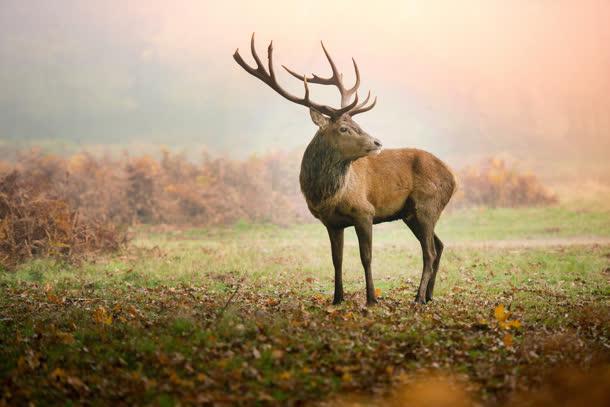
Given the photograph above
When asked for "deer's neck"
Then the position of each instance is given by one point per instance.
(323, 171)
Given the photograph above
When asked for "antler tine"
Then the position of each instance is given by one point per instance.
(357, 84)
(312, 79)
(335, 79)
(270, 60)
(336, 75)
(272, 74)
(254, 54)
(259, 71)
(364, 102)
(361, 108)
(270, 79)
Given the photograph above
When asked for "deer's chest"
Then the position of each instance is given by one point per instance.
(334, 217)
(340, 212)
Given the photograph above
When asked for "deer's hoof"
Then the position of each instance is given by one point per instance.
(419, 301)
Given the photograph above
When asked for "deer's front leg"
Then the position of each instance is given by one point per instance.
(336, 245)
(364, 230)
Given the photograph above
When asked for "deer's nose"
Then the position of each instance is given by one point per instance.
(377, 143)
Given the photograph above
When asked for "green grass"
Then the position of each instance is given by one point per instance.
(242, 314)
(525, 223)
(456, 226)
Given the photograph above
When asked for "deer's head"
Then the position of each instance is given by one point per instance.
(336, 125)
(345, 136)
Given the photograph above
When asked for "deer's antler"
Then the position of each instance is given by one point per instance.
(336, 79)
(269, 78)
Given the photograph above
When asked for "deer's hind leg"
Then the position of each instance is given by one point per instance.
(438, 245)
(422, 226)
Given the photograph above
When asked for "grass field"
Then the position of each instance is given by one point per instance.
(243, 314)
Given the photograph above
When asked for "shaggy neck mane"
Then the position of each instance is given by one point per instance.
(323, 170)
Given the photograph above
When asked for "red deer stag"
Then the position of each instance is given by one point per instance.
(348, 180)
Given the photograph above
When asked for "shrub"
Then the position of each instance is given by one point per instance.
(220, 190)
(493, 184)
(33, 224)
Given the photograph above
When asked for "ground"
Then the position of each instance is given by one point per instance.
(243, 314)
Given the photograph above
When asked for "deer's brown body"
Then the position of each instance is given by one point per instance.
(348, 180)
(384, 187)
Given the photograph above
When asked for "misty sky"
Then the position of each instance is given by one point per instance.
(456, 77)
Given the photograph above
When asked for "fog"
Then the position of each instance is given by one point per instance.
(463, 79)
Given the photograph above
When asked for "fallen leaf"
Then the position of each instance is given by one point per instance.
(510, 324)
(31, 361)
(273, 301)
(508, 340)
(76, 383)
(286, 375)
(53, 298)
(515, 324)
(66, 338)
(331, 309)
(500, 313)
(58, 374)
(101, 316)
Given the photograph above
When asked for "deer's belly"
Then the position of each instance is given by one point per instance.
(347, 212)
(390, 210)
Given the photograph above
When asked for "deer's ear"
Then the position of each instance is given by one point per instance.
(318, 118)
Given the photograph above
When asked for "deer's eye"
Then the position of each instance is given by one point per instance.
(343, 129)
